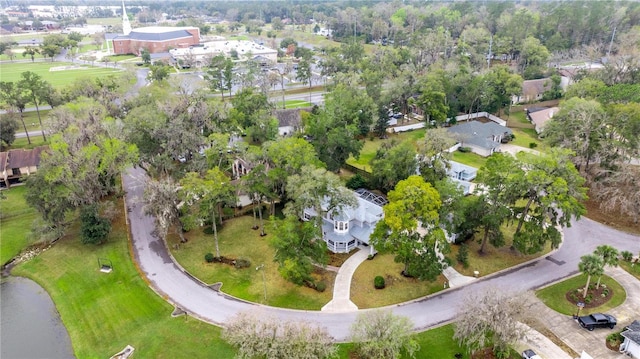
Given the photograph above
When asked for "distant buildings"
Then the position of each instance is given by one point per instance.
(155, 39)
(244, 49)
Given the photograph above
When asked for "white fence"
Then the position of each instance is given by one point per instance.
(491, 117)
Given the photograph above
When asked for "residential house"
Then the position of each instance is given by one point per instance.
(462, 175)
(16, 164)
(539, 116)
(353, 226)
(289, 121)
(483, 138)
(532, 90)
(631, 343)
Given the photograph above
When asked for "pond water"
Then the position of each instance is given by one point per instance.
(30, 324)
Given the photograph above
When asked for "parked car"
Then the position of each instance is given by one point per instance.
(597, 320)
(530, 354)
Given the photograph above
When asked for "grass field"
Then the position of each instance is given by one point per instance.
(554, 295)
(105, 312)
(398, 288)
(30, 119)
(58, 79)
(104, 21)
(24, 143)
(526, 136)
(237, 240)
(16, 218)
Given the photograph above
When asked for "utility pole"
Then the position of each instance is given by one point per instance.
(264, 282)
(611, 42)
(490, 55)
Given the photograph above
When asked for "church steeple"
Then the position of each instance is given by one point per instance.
(126, 26)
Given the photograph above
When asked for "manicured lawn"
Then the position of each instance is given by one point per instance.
(58, 79)
(439, 343)
(30, 119)
(16, 218)
(368, 151)
(23, 143)
(494, 259)
(525, 136)
(398, 288)
(292, 103)
(469, 159)
(237, 240)
(633, 269)
(554, 295)
(518, 120)
(104, 21)
(105, 312)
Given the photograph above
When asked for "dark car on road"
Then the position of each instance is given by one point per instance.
(597, 320)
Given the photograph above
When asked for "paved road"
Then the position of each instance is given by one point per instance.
(166, 278)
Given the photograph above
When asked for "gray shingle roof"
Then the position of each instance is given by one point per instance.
(480, 134)
(289, 117)
(635, 326)
(632, 335)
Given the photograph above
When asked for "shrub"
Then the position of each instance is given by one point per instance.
(357, 181)
(321, 286)
(371, 256)
(533, 145)
(588, 299)
(209, 258)
(243, 263)
(378, 282)
(627, 256)
(464, 149)
(615, 338)
(463, 255)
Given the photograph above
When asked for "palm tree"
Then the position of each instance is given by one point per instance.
(609, 256)
(590, 265)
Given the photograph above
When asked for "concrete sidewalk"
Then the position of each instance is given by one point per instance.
(540, 344)
(455, 278)
(341, 301)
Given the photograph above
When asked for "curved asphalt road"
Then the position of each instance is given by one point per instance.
(167, 279)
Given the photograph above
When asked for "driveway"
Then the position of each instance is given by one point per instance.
(200, 301)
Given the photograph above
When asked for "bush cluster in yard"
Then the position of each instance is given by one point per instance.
(321, 286)
(464, 149)
(209, 258)
(243, 263)
(378, 282)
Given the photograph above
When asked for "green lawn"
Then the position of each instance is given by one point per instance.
(105, 312)
(633, 269)
(525, 136)
(24, 143)
(370, 147)
(494, 259)
(554, 295)
(104, 21)
(237, 240)
(58, 79)
(398, 288)
(16, 218)
(30, 119)
(469, 159)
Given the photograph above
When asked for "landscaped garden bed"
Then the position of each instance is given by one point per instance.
(557, 296)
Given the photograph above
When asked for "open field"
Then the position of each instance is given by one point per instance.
(30, 119)
(105, 21)
(58, 79)
(16, 218)
(23, 143)
(94, 305)
(237, 240)
(554, 295)
(370, 147)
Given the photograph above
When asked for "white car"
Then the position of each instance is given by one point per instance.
(530, 354)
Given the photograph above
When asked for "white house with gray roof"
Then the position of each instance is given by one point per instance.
(483, 138)
(631, 343)
(352, 227)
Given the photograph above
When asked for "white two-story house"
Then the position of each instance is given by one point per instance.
(351, 227)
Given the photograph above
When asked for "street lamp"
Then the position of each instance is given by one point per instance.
(264, 282)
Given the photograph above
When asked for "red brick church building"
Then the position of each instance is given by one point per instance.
(155, 39)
